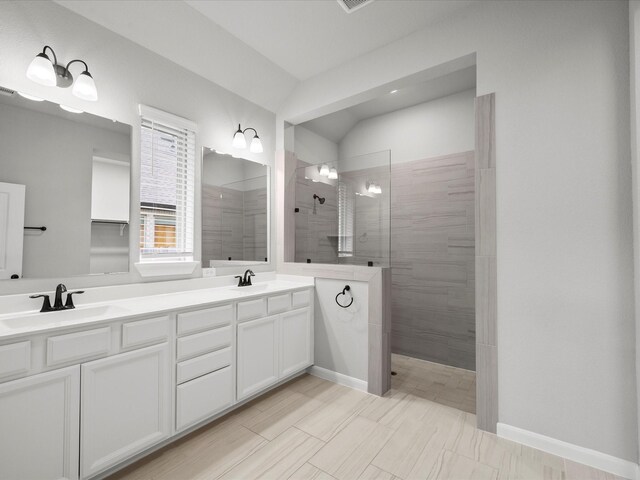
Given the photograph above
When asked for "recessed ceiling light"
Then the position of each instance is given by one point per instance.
(71, 109)
(393, 91)
(31, 97)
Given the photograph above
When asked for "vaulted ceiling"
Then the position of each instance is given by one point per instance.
(262, 49)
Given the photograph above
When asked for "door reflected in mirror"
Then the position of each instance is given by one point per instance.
(235, 210)
(64, 191)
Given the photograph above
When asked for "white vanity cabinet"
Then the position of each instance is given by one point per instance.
(257, 355)
(76, 402)
(295, 342)
(204, 364)
(125, 406)
(39, 421)
(276, 346)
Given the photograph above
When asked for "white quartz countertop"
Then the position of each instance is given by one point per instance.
(34, 322)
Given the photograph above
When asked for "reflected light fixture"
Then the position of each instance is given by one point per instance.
(393, 91)
(333, 174)
(70, 109)
(373, 188)
(31, 97)
(48, 73)
(324, 170)
(239, 140)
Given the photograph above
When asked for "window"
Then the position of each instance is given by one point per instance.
(167, 179)
(346, 199)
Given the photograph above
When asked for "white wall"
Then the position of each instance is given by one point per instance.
(439, 127)
(313, 148)
(564, 241)
(126, 75)
(341, 334)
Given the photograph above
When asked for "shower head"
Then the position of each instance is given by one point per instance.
(320, 199)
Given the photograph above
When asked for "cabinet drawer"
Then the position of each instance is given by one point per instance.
(204, 319)
(78, 346)
(279, 303)
(202, 397)
(15, 359)
(203, 364)
(252, 309)
(203, 342)
(301, 299)
(141, 332)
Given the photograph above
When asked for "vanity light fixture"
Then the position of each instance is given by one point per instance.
(239, 141)
(333, 174)
(48, 73)
(324, 170)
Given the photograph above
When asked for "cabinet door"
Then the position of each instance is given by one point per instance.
(125, 406)
(39, 426)
(257, 355)
(295, 341)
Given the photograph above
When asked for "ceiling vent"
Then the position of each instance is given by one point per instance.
(350, 6)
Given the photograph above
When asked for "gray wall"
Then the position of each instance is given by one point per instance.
(433, 259)
(53, 157)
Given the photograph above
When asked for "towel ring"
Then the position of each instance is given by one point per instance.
(344, 291)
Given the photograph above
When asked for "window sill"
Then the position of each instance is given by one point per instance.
(165, 268)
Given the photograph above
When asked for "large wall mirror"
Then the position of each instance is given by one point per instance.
(64, 191)
(235, 210)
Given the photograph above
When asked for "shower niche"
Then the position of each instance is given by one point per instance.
(342, 211)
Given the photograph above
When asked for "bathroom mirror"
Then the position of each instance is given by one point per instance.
(235, 210)
(64, 190)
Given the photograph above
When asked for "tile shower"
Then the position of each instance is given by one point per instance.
(421, 224)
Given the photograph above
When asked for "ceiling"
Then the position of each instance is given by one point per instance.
(336, 125)
(309, 37)
(261, 49)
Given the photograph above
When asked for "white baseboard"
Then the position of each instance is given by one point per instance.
(338, 378)
(586, 456)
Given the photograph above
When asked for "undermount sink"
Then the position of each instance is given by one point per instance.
(251, 289)
(44, 318)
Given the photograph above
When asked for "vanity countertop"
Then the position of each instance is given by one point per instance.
(33, 322)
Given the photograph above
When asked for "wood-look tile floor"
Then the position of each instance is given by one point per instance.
(313, 429)
(451, 386)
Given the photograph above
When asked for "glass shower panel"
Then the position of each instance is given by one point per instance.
(342, 211)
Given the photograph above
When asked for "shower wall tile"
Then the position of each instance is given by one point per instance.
(234, 224)
(433, 259)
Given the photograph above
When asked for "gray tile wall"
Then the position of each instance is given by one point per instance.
(234, 224)
(429, 233)
(433, 259)
(316, 234)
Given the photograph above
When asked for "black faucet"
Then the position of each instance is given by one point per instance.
(57, 305)
(60, 289)
(246, 281)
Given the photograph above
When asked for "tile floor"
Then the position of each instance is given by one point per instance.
(451, 386)
(313, 429)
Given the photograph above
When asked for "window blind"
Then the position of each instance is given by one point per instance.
(167, 185)
(346, 200)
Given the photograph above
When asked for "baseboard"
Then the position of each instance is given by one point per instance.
(338, 378)
(586, 456)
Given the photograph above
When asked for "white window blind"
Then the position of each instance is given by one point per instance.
(346, 200)
(167, 183)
